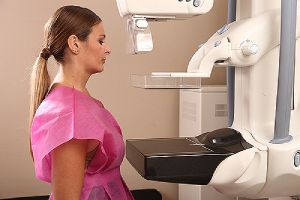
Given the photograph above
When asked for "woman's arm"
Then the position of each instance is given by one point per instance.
(68, 163)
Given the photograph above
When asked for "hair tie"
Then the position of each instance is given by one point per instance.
(45, 53)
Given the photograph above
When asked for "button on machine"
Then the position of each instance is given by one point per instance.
(249, 48)
(297, 159)
(197, 3)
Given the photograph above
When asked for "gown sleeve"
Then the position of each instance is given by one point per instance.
(57, 121)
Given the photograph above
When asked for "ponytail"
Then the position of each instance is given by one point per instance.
(39, 85)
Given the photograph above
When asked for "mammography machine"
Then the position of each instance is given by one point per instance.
(258, 154)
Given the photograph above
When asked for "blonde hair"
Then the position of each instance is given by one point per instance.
(39, 84)
(66, 21)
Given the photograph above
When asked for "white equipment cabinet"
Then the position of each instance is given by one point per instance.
(201, 110)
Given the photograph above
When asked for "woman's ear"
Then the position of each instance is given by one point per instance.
(73, 44)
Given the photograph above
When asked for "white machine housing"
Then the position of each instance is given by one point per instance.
(165, 8)
(251, 44)
(137, 14)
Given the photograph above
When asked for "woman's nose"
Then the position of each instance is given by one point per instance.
(107, 49)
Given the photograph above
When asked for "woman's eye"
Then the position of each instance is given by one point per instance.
(101, 42)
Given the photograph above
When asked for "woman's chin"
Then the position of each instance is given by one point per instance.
(100, 69)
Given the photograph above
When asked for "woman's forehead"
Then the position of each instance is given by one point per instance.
(98, 30)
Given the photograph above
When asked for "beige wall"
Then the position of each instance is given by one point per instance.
(141, 113)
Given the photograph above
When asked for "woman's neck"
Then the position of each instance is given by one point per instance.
(72, 77)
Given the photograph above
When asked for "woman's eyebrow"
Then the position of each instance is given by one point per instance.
(102, 35)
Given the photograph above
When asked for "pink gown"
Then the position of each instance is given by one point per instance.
(68, 113)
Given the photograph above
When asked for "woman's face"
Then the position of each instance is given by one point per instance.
(95, 50)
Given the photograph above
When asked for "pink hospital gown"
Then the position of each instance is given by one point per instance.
(68, 113)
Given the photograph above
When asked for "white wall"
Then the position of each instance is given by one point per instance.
(141, 113)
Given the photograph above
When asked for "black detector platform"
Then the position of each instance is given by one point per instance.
(189, 160)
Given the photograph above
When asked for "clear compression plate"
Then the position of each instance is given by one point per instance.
(148, 81)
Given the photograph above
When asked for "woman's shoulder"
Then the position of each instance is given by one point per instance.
(62, 100)
(58, 101)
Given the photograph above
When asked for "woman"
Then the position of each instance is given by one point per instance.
(76, 143)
